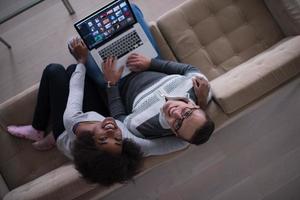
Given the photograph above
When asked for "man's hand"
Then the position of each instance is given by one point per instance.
(79, 49)
(111, 74)
(138, 63)
(201, 88)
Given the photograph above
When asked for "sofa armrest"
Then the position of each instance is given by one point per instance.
(65, 183)
(287, 15)
(19, 162)
(3, 187)
(22, 103)
(258, 75)
(165, 51)
(62, 183)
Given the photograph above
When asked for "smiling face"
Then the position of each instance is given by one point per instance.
(108, 136)
(183, 117)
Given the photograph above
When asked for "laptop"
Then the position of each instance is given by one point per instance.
(114, 30)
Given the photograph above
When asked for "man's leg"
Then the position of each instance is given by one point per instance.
(93, 71)
(140, 18)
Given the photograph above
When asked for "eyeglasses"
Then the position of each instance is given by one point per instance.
(178, 122)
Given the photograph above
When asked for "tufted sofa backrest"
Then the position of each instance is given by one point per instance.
(218, 35)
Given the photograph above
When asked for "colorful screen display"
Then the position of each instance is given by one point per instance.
(105, 23)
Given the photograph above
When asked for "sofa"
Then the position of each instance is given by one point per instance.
(247, 49)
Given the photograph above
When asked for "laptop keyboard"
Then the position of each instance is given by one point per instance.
(122, 46)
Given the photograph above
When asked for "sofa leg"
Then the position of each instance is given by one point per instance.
(68, 7)
(5, 43)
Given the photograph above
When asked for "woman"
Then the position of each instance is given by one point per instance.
(104, 151)
(90, 134)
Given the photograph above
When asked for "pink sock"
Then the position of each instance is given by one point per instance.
(26, 132)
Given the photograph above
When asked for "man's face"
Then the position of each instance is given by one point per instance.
(183, 117)
(108, 136)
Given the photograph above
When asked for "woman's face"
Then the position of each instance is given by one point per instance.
(108, 136)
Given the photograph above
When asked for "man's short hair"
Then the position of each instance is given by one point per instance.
(98, 166)
(203, 133)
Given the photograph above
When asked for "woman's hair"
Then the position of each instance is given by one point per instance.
(101, 167)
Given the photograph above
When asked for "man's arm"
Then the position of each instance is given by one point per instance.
(202, 91)
(170, 67)
(137, 62)
(115, 104)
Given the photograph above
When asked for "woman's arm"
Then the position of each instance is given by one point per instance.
(76, 88)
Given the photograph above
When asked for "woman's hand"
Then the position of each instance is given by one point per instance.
(201, 89)
(111, 74)
(79, 49)
(138, 63)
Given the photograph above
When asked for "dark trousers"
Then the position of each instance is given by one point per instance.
(53, 96)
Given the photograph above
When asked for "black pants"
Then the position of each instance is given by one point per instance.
(53, 96)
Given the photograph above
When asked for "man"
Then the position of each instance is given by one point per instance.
(162, 98)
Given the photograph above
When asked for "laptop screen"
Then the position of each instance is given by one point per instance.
(109, 21)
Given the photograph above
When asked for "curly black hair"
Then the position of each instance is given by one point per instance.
(97, 166)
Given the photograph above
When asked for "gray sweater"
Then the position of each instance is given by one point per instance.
(143, 95)
(73, 115)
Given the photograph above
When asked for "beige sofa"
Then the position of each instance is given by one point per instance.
(238, 44)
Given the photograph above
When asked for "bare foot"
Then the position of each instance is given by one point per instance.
(45, 144)
(26, 132)
(201, 88)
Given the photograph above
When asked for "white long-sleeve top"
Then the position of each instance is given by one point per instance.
(73, 115)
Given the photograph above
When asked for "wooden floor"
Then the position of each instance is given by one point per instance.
(256, 157)
(38, 37)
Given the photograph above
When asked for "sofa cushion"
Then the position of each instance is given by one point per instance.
(61, 183)
(216, 114)
(20, 163)
(164, 49)
(287, 14)
(3, 187)
(218, 35)
(258, 75)
(65, 183)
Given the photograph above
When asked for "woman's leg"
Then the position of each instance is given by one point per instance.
(56, 85)
(51, 100)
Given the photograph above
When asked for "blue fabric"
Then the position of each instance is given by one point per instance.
(140, 18)
(92, 69)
